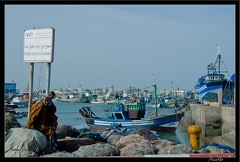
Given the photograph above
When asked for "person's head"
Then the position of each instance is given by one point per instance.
(51, 94)
(45, 100)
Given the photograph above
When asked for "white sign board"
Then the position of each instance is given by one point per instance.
(38, 45)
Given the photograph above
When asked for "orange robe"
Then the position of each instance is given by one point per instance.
(43, 118)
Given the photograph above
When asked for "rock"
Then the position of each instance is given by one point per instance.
(160, 144)
(112, 136)
(133, 138)
(146, 133)
(98, 149)
(84, 130)
(11, 122)
(73, 144)
(135, 144)
(24, 142)
(104, 143)
(168, 147)
(215, 148)
(64, 130)
(61, 154)
(142, 148)
(108, 133)
(227, 139)
(95, 136)
(175, 149)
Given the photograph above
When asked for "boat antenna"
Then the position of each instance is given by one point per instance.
(219, 61)
(219, 57)
(218, 50)
(155, 93)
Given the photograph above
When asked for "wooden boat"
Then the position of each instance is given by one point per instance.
(130, 116)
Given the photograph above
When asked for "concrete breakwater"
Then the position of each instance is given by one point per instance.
(217, 122)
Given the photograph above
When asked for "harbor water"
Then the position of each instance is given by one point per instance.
(68, 114)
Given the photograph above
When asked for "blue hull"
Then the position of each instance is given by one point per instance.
(214, 81)
(213, 87)
(168, 123)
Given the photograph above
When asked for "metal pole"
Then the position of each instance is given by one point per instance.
(31, 88)
(48, 78)
(155, 95)
(234, 96)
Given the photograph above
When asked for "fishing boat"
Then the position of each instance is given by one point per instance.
(132, 115)
(209, 85)
(98, 101)
(16, 114)
(19, 101)
(10, 106)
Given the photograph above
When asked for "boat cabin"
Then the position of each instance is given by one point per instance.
(115, 115)
(116, 112)
(135, 108)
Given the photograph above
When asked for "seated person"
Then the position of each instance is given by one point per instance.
(43, 118)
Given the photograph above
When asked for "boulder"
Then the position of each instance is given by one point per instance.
(10, 122)
(133, 138)
(175, 149)
(112, 136)
(64, 130)
(95, 136)
(146, 133)
(160, 144)
(133, 145)
(63, 154)
(98, 149)
(24, 142)
(135, 149)
(73, 144)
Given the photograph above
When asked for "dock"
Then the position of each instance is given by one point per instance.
(218, 122)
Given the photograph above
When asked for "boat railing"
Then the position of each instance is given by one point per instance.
(86, 112)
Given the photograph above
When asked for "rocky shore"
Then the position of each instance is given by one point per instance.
(114, 142)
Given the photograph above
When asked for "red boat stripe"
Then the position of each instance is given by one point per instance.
(223, 155)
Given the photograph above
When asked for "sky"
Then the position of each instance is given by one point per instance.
(99, 46)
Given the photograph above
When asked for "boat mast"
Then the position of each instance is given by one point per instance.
(155, 93)
(219, 59)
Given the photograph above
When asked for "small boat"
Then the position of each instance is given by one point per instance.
(19, 101)
(209, 85)
(10, 106)
(17, 114)
(131, 115)
(98, 101)
(76, 99)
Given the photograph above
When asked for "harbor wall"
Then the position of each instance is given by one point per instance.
(217, 122)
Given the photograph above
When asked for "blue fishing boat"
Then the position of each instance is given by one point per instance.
(132, 115)
(209, 85)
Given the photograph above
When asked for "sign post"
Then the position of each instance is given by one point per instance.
(38, 48)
